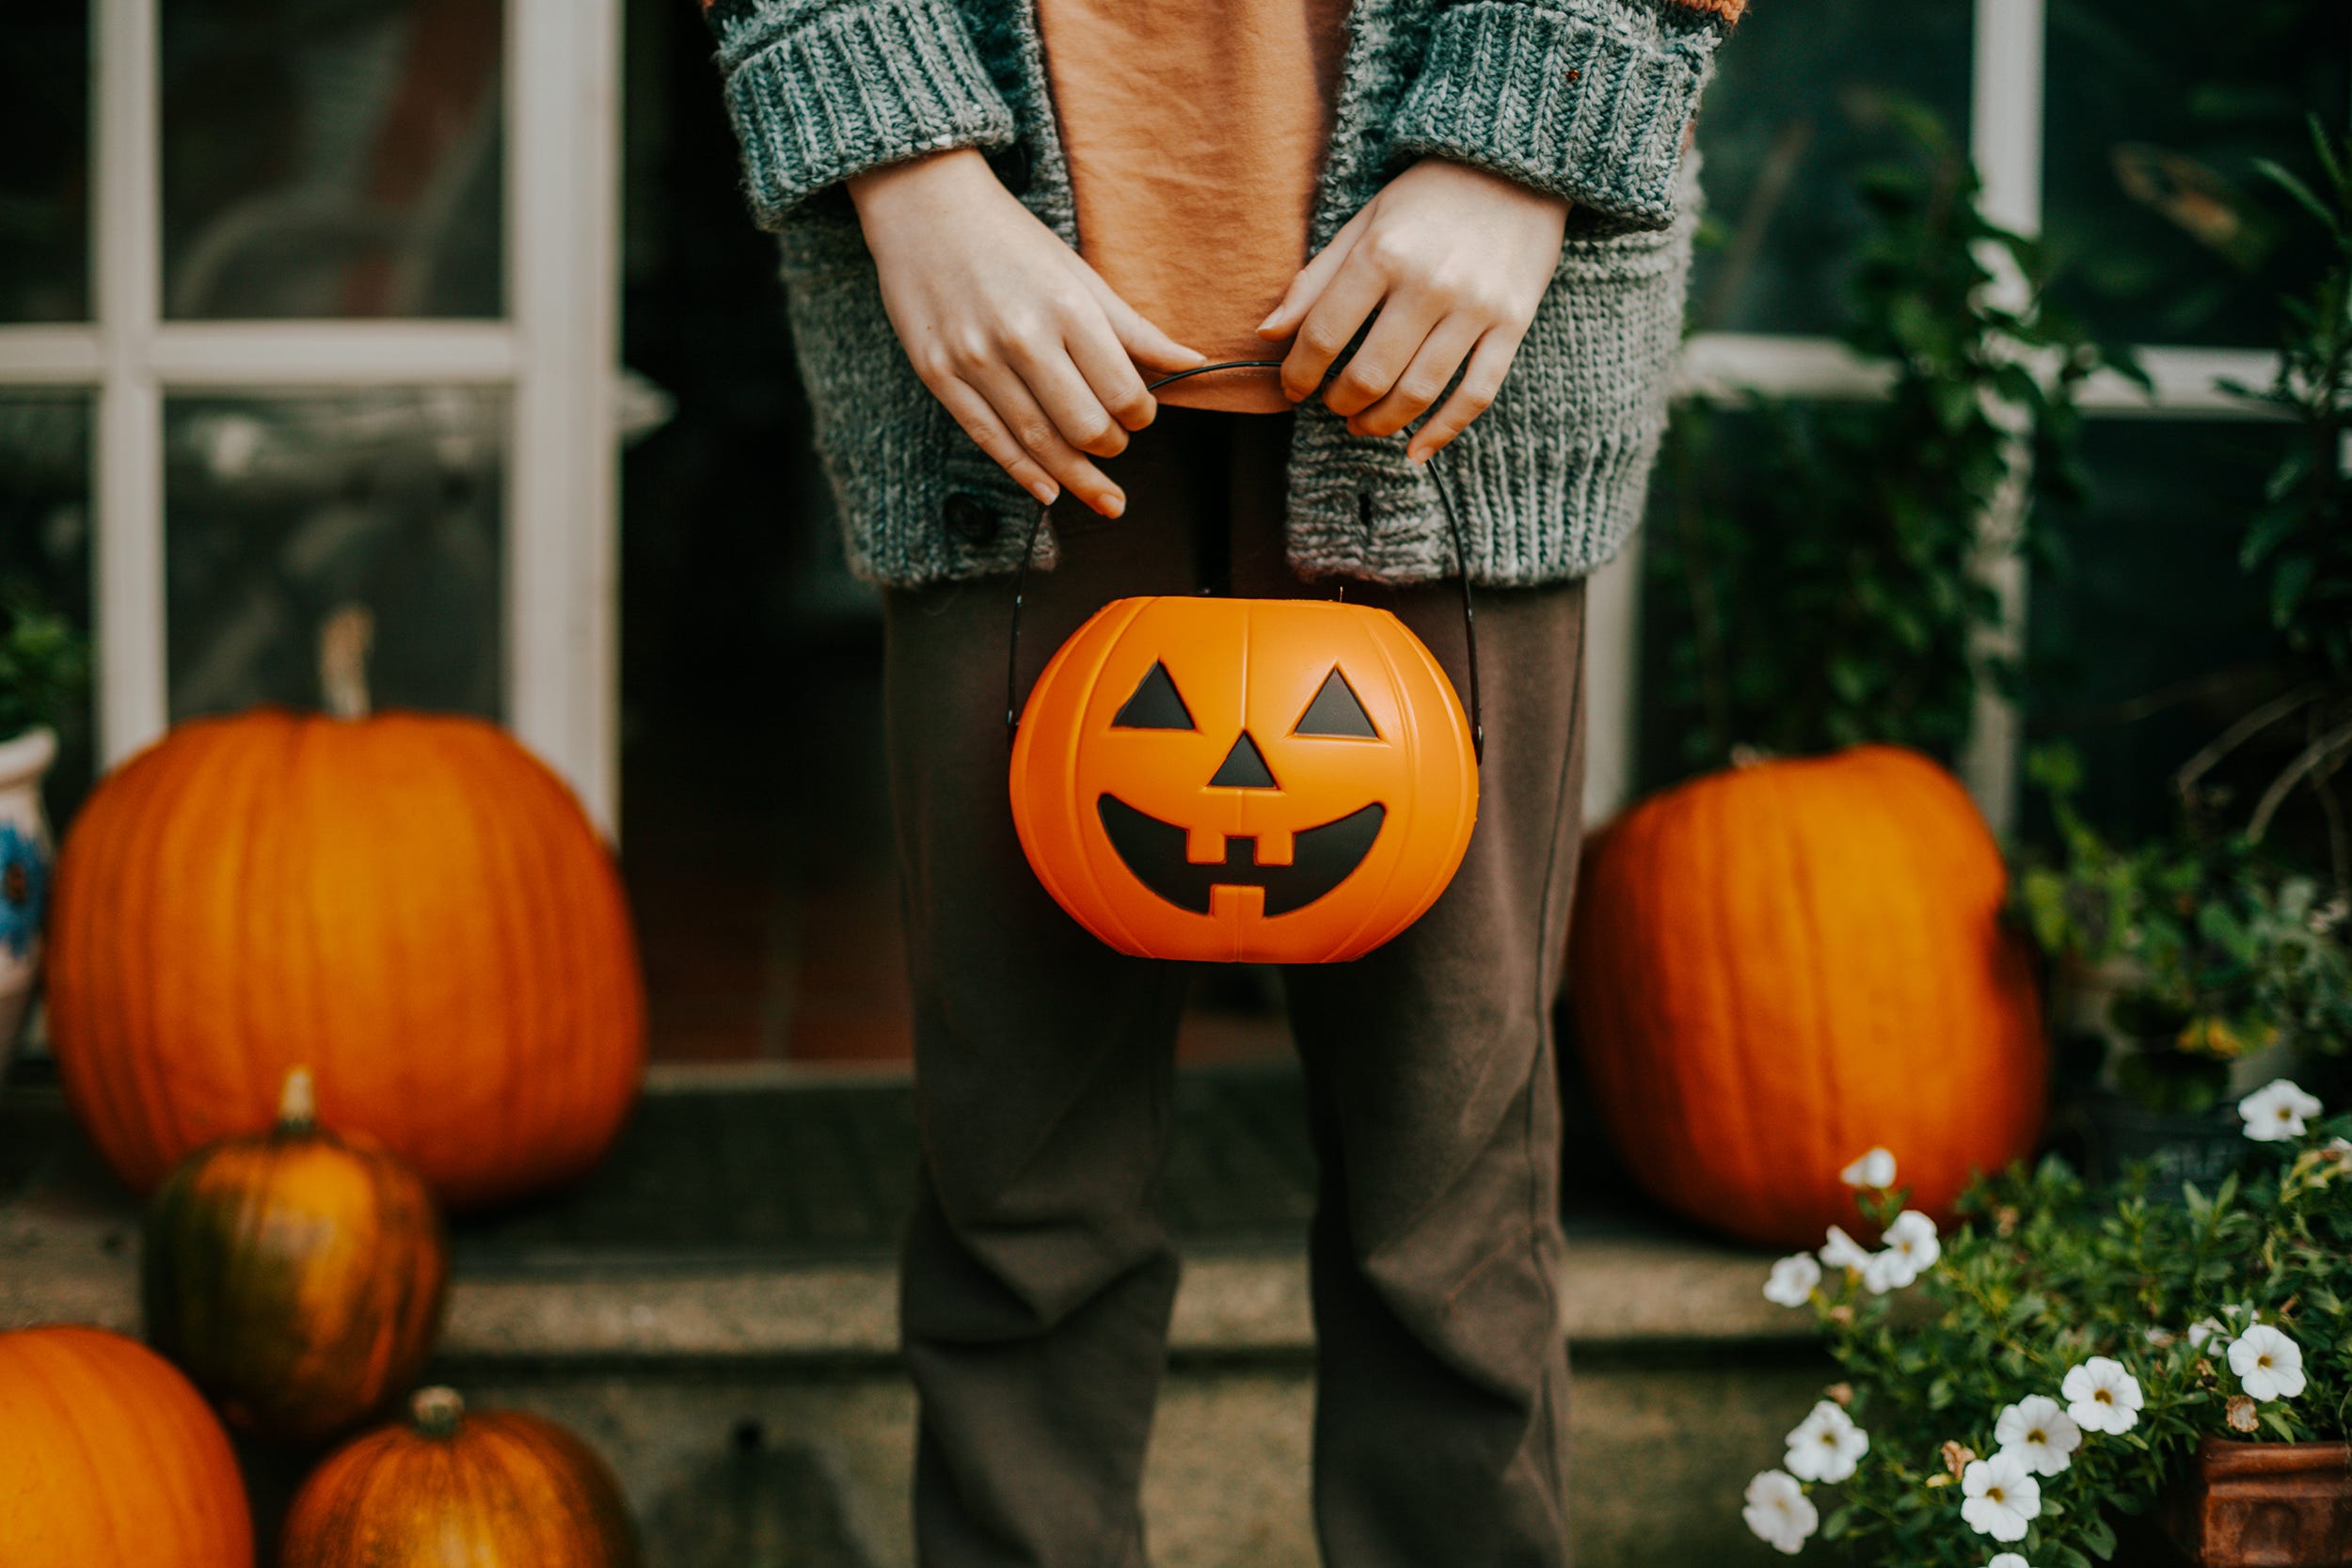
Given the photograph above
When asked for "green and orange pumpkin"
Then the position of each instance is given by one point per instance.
(1781, 966)
(108, 1457)
(410, 904)
(498, 1489)
(297, 1274)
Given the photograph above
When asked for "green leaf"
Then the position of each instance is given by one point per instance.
(2099, 1537)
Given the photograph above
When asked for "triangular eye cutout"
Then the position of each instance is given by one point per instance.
(1154, 706)
(1336, 712)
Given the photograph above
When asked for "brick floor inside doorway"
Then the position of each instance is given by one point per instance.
(765, 899)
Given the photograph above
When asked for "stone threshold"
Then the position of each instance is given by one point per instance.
(1617, 1293)
(580, 1283)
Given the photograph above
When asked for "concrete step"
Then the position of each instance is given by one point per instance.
(736, 1360)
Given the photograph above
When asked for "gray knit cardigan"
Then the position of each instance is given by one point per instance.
(1587, 99)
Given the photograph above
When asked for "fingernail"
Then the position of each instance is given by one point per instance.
(1418, 459)
(1113, 505)
(1269, 321)
(1045, 491)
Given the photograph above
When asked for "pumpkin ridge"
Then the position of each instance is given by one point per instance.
(1731, 1039)
(499, 971)
(114, 1442)
(1132, 611)
(1409, 738)
(142, 1141)
(71, 1396)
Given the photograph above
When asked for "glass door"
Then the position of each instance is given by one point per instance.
(310, 302)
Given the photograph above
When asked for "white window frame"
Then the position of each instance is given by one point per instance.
(556, 353)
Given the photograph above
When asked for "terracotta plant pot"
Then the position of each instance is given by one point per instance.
(25, 860)
(2265, 1505)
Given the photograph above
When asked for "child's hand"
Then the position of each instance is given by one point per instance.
(1455, 261)
(1028, 348)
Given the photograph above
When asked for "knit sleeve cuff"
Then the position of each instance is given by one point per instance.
(852, 88)
(1586, 99)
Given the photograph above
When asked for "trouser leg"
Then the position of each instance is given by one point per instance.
(1037, 1279)
(1441, 1394)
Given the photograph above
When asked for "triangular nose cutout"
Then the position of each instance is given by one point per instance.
(1243, 768)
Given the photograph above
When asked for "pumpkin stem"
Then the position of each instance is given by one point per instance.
(437, 1411)
(344, 639)
(297, 1103)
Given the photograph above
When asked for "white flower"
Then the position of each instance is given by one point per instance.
(2002, 1497)
(2208, 1328)
(2269, 1366)
(1874, 1169)
(1779, 1511)
(1912, 1235)
(2039, 1433)
(2102, 1395)
(1886, 1271)
(1826, 1445)
(1792, 1281)
(2276, 1111)
(1910, 1247)
(1842, 1251)
(2007, 1560)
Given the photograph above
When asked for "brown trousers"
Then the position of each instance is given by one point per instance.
(1037, 1280)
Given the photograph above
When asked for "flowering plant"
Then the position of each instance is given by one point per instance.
(2011, 1387)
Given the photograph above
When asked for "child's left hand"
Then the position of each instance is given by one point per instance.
(1454, 260)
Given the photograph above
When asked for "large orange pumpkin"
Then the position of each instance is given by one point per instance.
(1779, 967)
(1262, 781)
(412, 905)
(108, 1458)
(297, 1274)
(498, 1489)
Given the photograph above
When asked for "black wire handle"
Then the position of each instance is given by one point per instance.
(1453, 526)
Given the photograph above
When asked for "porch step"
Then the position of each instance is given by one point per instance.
(714, 1309)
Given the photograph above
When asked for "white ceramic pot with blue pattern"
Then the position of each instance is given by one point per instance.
(24, 860)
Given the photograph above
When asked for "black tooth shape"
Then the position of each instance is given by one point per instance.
(1243, 767)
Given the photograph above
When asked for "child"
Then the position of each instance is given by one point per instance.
(1463, 226)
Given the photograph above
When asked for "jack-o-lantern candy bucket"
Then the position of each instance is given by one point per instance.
(1255, 780)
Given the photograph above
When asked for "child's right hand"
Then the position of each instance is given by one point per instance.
(1026, 345)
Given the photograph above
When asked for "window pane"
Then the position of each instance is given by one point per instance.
(279, 510)
(331, 158)
(1793, 115)
(2150, 640)
(44, 543)
(2157, 112)
(44, 164)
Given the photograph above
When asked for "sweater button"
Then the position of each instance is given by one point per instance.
(971, 520)
(1013, 169)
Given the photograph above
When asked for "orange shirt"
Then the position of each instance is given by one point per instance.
(1195, 132)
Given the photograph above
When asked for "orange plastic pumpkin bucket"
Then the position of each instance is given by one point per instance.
(1256, 781)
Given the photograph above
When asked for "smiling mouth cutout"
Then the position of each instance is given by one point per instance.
(1321, 857)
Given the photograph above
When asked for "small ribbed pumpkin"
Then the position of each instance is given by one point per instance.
(295, 1274)
(1781, 966)
(108, 1458)
(500, 1489)
(411, 904)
